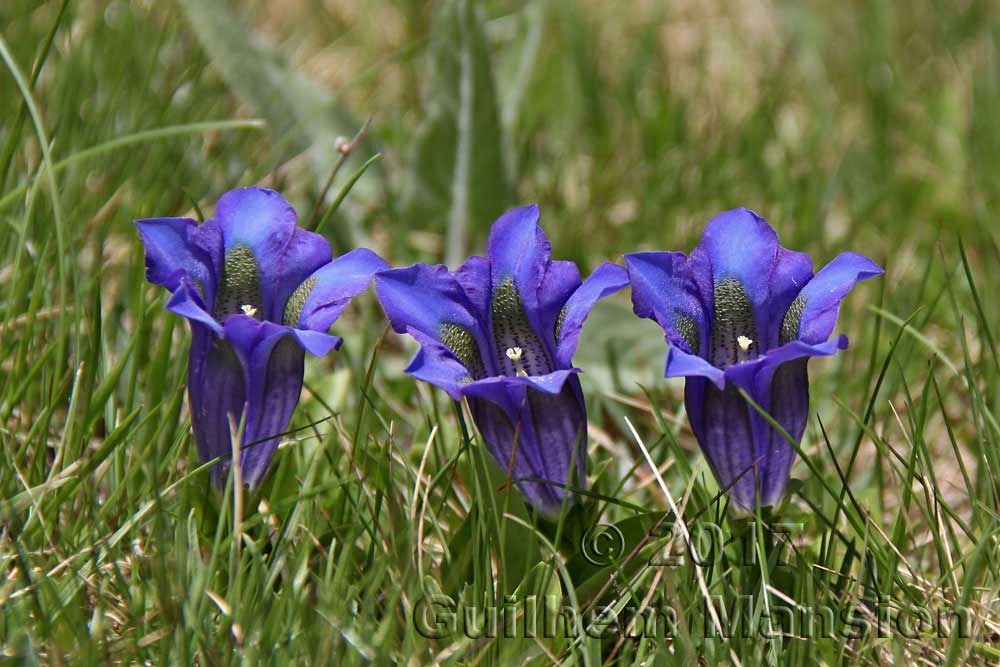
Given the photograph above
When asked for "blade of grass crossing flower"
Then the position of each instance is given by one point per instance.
(717, 624)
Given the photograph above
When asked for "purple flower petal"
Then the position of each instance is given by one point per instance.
(331, 287)
(273, 364)
(508, 391)
(518, 249)
(423, 297)
(487, 332)
(429, 300)
(474, 278)
(250, 261)
(263, 222)
(737, 440)
(436, 364)
(518, 252)
(789, 406)
(790, 273)
(550, 431)
(187, 302)
(821, 297)
(741, 312)
(664, 290)
(317, 343)
(216, 394)
(500, 433)
(560, 280)
(179, 247)
(607, 279)
(560, 431)
(682, 364)
(273, 389)
(741, 245)
(722, 424)
(755, 375)
(742, 249)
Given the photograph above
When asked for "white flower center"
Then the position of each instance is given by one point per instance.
(248, 310)
(514, 354)
(744, 343)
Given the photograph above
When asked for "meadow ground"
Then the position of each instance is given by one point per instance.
(383, 533)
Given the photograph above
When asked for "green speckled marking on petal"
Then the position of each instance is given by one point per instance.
(688, 329)
(733, 318)
(297, 301)
(559, 322)
(790, 324)
(511, 329)
(240, 284)
(463, 345)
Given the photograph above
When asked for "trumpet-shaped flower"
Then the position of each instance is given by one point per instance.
(501, 331)
(258, 292)
(742, 312)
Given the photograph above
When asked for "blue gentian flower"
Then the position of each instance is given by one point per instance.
(743, 312)
(501, 332)
(259, 292)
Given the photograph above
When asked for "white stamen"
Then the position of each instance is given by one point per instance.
(514, 354)
(248, 310)
(744, 343)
